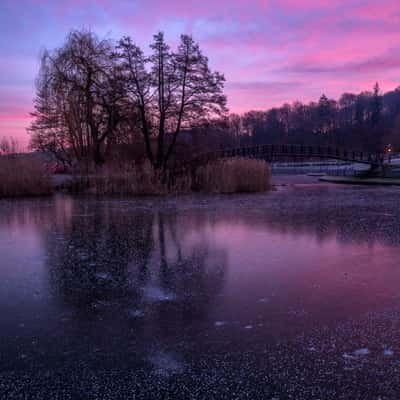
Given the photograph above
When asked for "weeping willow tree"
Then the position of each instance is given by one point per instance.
(79, 98)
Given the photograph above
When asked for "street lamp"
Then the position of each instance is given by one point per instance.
(388, 151)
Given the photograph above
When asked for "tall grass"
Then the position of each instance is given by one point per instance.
(23, 176)
(223, 176)
(233, 176)
(129, 179)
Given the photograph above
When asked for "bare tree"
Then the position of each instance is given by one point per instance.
(8, 146)
(51, 129)
(173, 91)
(79, 95)
(138, 88)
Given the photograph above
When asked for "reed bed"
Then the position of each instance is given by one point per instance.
(129, 179)
(23, 176)
(234, 176)
(222, 176)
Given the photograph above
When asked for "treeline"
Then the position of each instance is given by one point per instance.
(103, 99)
(366, 121)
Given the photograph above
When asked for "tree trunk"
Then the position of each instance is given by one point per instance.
(160, 146)
(97, 157)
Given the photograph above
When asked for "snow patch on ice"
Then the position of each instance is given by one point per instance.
(388, 352)
(264, 300)
(361, 352)
(136, 313)
(347, 356)
(154, 293)
(103, 276)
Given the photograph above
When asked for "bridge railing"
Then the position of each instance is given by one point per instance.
(269, 151)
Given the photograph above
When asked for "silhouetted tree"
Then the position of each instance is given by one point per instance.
(79, 93)
(325, 114)
(172, 91)
(346, 114)
(8, 146)
(376, 113)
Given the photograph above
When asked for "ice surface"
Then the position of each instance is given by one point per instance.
(165, 363)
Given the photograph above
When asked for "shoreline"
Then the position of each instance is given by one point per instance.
(361, 181)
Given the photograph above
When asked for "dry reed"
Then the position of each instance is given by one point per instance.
(233, 176)
(129, 179)
(23, 176)
(222, 176)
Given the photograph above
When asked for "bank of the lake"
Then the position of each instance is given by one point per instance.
(354, 180)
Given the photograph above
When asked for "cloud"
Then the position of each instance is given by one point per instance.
(255, 86)
(379, 65)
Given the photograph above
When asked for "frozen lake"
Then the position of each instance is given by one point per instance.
(293, 293)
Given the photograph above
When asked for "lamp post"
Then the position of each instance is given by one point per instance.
(388, 151)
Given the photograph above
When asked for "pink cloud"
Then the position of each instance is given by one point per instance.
(387, 10)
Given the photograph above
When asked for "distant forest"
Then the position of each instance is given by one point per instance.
(366, 121)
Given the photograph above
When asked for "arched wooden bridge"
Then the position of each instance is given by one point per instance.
(271, 152)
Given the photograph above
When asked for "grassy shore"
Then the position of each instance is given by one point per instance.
(361, 181)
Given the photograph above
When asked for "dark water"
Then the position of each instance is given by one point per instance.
(290, 294)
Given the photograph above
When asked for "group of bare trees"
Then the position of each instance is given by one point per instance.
(93, 94)
(8, 146)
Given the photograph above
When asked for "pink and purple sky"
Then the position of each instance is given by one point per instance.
(271, 51)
